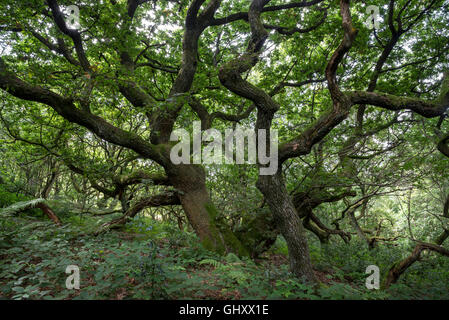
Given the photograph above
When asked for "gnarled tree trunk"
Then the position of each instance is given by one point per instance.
(289, 224)
(215, 234)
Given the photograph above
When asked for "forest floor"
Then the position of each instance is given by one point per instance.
(152, 260)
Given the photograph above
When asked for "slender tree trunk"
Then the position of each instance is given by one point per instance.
(399, 268)
(192, 195)
(46, 209)
(289, 223)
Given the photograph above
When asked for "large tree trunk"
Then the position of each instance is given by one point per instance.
(215, 234)
(289, 224)
(399, 267)
(158, 200)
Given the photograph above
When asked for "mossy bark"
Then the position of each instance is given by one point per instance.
(215, 234)
(401, 266)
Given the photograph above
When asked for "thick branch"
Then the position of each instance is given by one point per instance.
(244, 15)
(72, 33)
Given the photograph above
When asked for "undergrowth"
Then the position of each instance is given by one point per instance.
(154, 260)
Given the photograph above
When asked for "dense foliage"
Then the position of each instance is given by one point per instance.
(86, 116)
